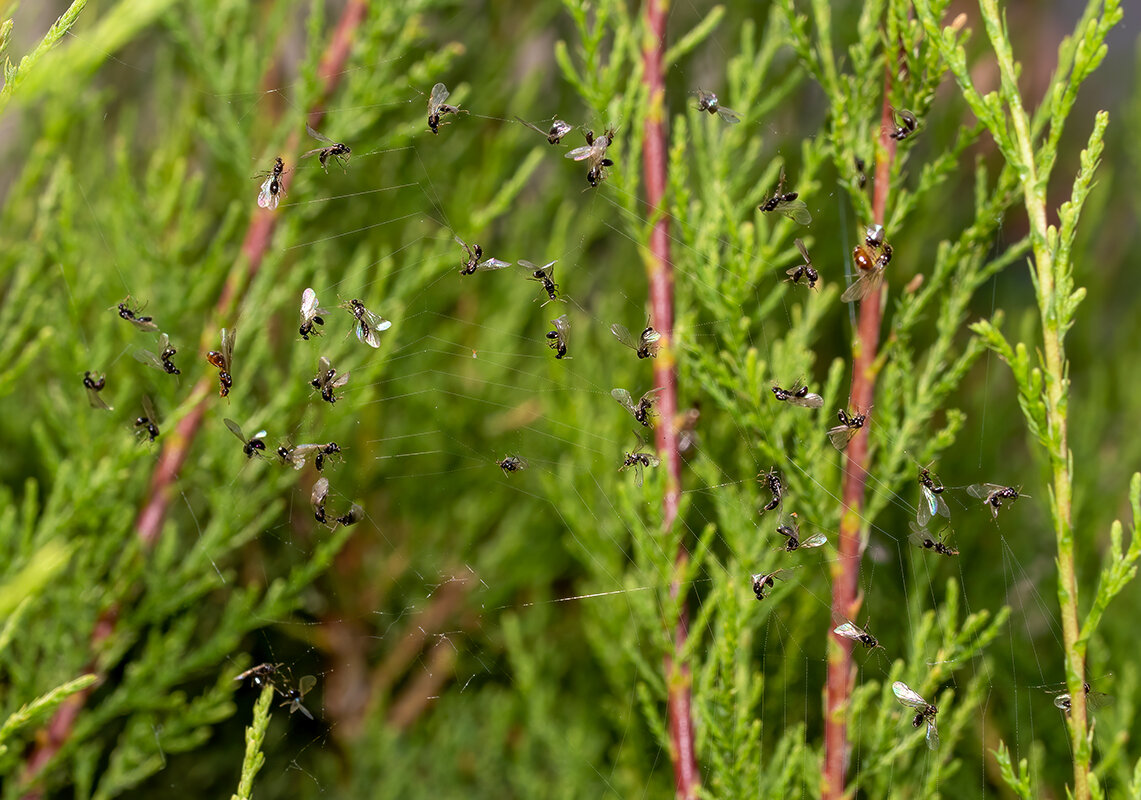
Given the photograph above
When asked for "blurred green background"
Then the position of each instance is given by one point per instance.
(482, 634)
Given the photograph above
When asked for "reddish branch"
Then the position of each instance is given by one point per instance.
(660, 274)
(176, 445)
(846, 570)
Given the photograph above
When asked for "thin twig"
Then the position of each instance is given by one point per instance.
(846, 569)
(176, 445)
(660, 275)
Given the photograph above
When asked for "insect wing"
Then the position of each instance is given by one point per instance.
(983, 491)
(303, 688)
(904, 694)
(149, 358)
(319, 137)
(267, 198)
(228, 337)
(95, 400)
(300, 454)
(920, 536)
(1096, 700)
(582, 153)
(867, 283)
(622, 334)
(340, 380)
(849, 631)
(309, 306)
(439, 95)
(728, 114)
(933, 504)
(796, 210)
(320, 492)
(562, 327)
(236, 430)
(492, 263)
(803, 251)
(624, 399)
(815, 540)
(841, 435)
(932, 734)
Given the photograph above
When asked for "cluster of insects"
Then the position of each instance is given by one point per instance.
(870, 258)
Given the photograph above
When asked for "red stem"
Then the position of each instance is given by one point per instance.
(846, 569)
(660, 275)
(176, 445)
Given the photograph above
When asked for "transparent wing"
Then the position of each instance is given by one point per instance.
(622, 334)
(653, 460)
(932, 734)
(229, 335)
(840, 436)
(866, 284)
(815, 540)
(926, 507)
(340, 380)
(796, 210)
(638, 474)
(809, 400)
(624, 398)
(235, 429)
(149, 358)
(651, 396)
(535, 128)
(352, 516)
(323, 367)
(803, 251)
(439, 95)
(300, 454)
(1096, 700)
(266, 197)
(729, 115)
(144, 325)
(649, 336)
(919, 534)
(562, 325)
(581, 153)
(308, 305)
(96, 401)
(906, 695)
(319, 137)
(306, 684)
(371, 338)
(320, 492)
(492, 263)
(982, 490)
(848, 631)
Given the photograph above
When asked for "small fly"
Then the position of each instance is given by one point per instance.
(438, 108)
(147, 425)
(327, 380)
(644, 411)
(861, 176)
(904, 123)
(293, 697)
(924, 711)
(544, 275)
(787, 203)
(557, 338)
(685, 423)
(805, 270)
(798, 395)
(512, 463)
(707, 101)
(298, 455)
(223, 359)
(993, 495)
(773, 483)
(351, 517)
(254, 444)
(273, 189)
(933, 503)
(646, 346)
(130, 312)
(791, 531)
(857, 634)
(94, 382)
(473, 263)
(318, 497)
(338, 151)
(840, 435)
(922, 538)
(763, 581)
(311, 314)
(555, 133)
(638, 459)
(162, 361)
(1094, 700)
(369, 325)
(259, 675)
(594, 153)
